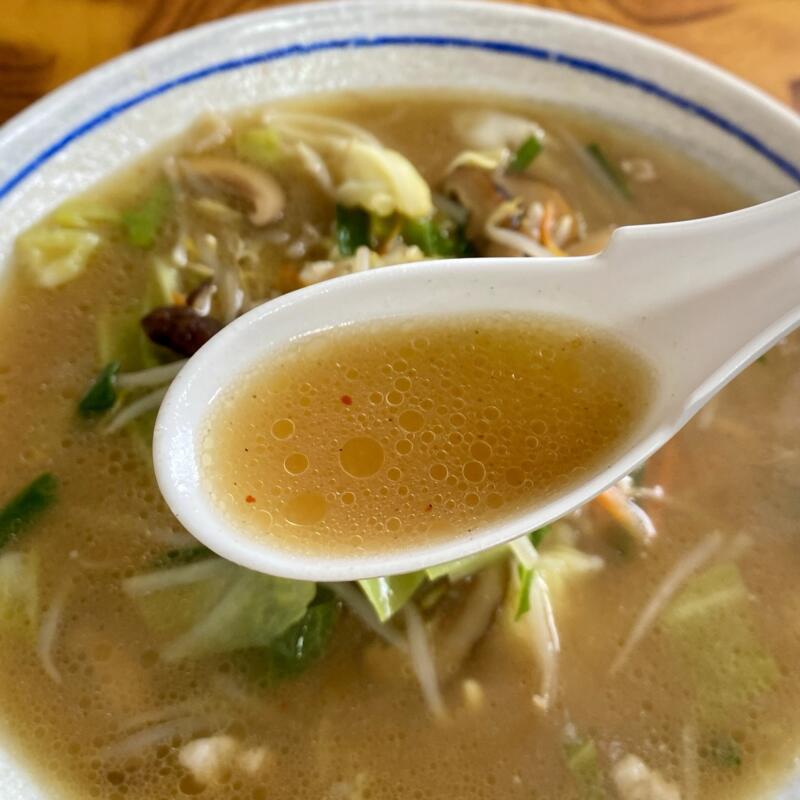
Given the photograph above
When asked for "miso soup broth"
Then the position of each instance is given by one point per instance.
(136, 665)
(395, 433)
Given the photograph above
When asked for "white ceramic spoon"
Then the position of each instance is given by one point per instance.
(700, 300)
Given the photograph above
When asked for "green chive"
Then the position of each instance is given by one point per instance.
(38, 495)
(613, 174)
(436, 237)
(352, 229)
(101, 394)
(524, 156)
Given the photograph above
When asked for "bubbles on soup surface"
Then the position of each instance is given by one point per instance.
(421, 441)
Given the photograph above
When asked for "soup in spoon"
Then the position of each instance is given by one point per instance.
(391, 434)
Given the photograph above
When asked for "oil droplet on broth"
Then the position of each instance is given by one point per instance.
(361, 456)
(305, 509)
(282, 428)
(296, 463)
(448, 425)
(411, 420)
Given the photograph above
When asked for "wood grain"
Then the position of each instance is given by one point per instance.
(46, 42)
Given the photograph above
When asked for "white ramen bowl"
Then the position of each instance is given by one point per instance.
(91, 126)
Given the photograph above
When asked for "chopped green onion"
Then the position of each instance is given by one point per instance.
(143, 222)
(435, 237)
(524, 156)
(612, 173)
(101, 395)
(524, 601)
(352, 229)
(38, 495)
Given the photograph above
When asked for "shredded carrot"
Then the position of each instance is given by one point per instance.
(548, 220)
(632, 518)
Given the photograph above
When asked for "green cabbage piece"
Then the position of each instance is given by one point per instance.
(261, 146)
(525, 577)
(120, 339)
(382, 181)
(583, 764)
(463, 567)
(19, 593)
(712, 635)
(143, 221)
(57, 250)
(54, 255)
(162, 285)
(389, 595)
(85, 214)
(560, 564)
(213, 607)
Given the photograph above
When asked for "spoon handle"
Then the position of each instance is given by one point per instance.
(715, 292)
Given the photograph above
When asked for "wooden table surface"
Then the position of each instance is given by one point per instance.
(45, 42)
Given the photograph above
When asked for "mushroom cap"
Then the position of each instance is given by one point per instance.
(260, 189)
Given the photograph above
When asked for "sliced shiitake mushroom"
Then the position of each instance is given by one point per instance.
(258, 188)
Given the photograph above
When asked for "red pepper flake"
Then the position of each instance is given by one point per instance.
(346, 399)
(429, 507)
(249, 499)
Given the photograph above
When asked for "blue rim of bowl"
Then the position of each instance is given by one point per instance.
(367, 42)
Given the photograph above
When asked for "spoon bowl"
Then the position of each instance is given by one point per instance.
(699, 300)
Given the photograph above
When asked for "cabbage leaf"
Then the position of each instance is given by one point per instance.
(389, 595)
(213, 607)
(711, 631)
(54, 256)
(382, 181)
(19, 593)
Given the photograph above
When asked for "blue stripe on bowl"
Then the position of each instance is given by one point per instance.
(364, 42)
